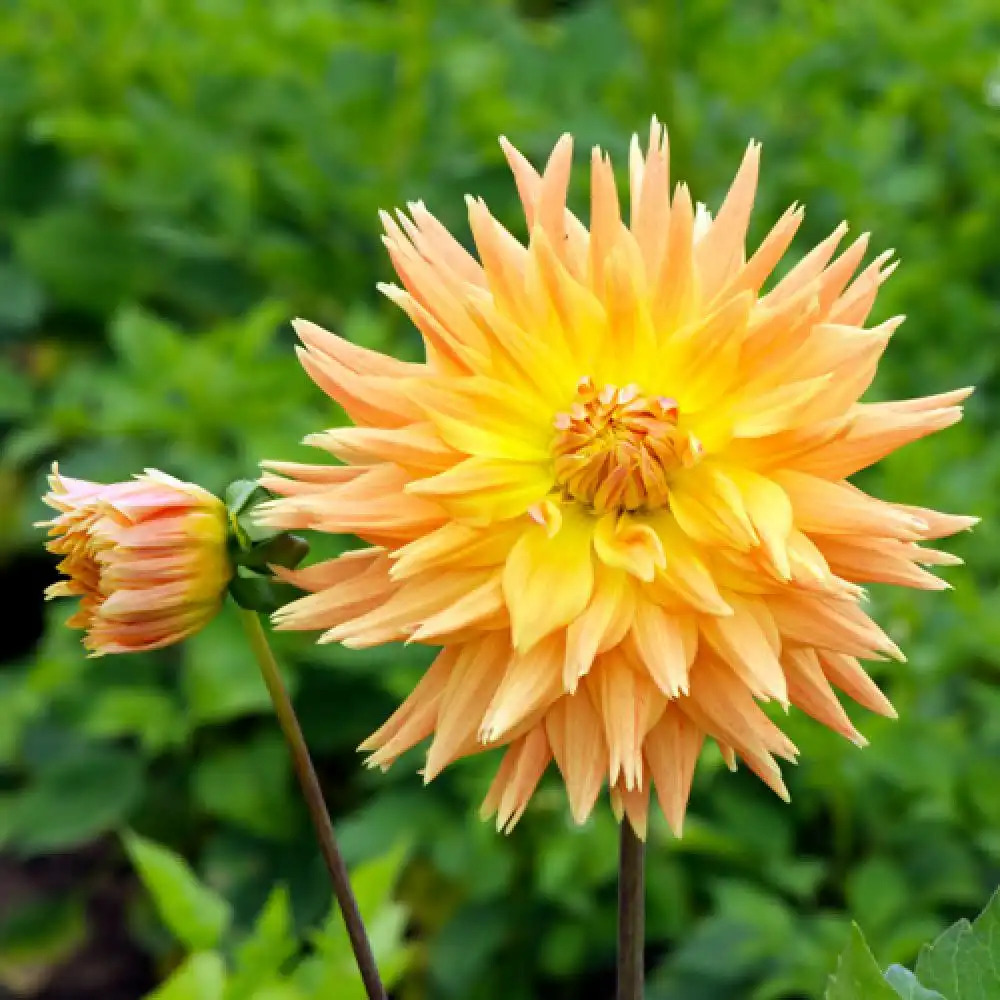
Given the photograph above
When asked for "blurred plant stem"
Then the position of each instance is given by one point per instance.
(313, 795)
(631, 914)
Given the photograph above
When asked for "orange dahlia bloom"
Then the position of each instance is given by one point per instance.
(616, 492)
(147, 558)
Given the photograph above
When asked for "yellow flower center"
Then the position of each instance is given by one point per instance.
(616, 448)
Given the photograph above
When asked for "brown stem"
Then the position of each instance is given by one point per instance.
(631, 914)
(313, 795)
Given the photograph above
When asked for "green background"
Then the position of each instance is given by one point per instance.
(180, 177)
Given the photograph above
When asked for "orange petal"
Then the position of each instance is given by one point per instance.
(666, 645)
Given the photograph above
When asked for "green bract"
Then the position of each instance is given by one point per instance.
(255, 548)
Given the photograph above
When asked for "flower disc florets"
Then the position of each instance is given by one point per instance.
(615, 448)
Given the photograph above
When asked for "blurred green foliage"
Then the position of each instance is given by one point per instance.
(267, 962)
(177, 179)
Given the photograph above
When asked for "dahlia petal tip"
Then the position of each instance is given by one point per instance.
(858, 739)
(893, 651)
(887, 272)
(640, 828)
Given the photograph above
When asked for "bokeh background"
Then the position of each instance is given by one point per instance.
(180, 177)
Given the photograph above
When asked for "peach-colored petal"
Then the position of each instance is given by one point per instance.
(667, 645)
(672, 748)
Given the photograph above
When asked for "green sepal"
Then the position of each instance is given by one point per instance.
(254, 533)
(254, 545)
(260, 593)
(282, 550)
(239, 492)
(243, 497)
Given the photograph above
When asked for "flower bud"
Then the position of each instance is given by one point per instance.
(148, 558)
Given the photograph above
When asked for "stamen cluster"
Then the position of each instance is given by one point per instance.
(616, 448)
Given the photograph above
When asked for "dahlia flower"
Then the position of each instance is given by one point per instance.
(147, 558)
(616, 492)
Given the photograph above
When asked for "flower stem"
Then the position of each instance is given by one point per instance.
(631, 914)
(314, 800)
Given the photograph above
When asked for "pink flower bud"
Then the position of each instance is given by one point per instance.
(147, 558)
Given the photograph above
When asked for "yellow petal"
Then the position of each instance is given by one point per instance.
(547, 582)
(601, 625)
(482, 490)
(629, 544)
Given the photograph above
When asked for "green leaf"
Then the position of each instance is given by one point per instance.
(21, 298)
(249, 785)
(374, 881)
(964, 962)
(261, 957)
(19, 704)
(15, 391)
(332, 971)
(220, 678)
(878, 891)
(202, 976)
(81, 258)
(27, 445)
(197, 916)
(76, 799)
(906, 984)
(858, 976)
(280, 991)
(148, 713)
(147, 345)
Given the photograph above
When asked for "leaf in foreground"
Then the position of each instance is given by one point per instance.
(858, 976)
(964, 962)
(197, 916)
(906, 984)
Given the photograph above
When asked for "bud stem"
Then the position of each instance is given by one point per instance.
(313, 795)
(631, 914)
